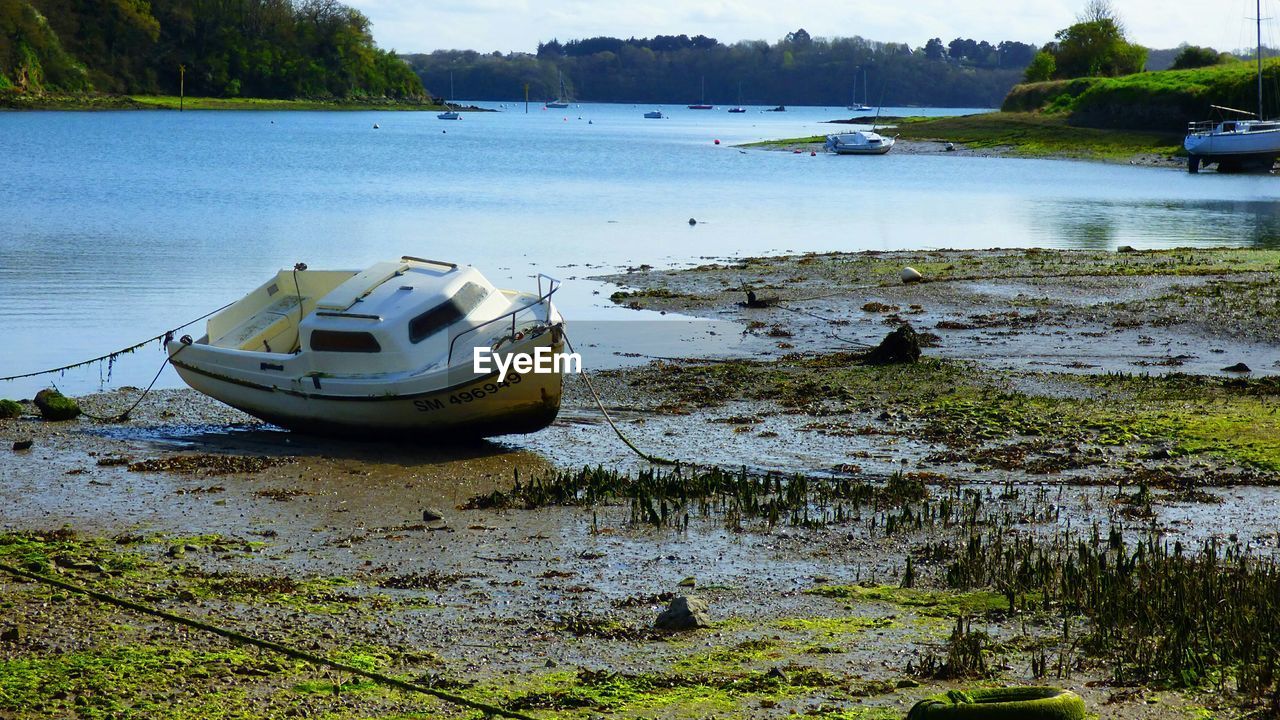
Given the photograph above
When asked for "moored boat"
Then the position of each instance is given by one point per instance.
(859, 142)
(1235, 145)
(560, 102)
(385, 352)
(449, 113)
(654, 115)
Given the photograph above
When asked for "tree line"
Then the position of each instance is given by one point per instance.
(252, 48)
(797, 70)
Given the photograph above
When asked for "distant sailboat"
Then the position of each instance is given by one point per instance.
(449, 113)
(738, 108)
(853, 97)
(702, 105)
(559, 102)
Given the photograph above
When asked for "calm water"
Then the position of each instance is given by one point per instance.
(117, 225)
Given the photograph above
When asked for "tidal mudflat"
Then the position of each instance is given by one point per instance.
(1068, 488)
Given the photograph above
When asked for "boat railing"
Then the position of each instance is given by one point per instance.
(552, 285)
(1201, 126)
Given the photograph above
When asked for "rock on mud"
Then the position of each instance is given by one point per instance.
(900, 346)
(686, 612)
(10, 409)
(55, 406)
(911, 275)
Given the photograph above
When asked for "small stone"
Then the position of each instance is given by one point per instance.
(20, 445)
(1238, 367)
(687, 582)
(176, 551)
(550, 663)
(684, 613)
(11, 634)
(431, 515)
(911, 275)
(1126, 249)
(777, 674)
(907, 683)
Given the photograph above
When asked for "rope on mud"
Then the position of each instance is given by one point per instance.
(123, 416)
(267, 645)
(111, 356)
(600, 404)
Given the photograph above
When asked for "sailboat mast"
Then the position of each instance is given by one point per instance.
(1259, 4)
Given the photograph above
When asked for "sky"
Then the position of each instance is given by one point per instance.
(506, 25)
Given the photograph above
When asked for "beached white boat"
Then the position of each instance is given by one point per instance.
(859, 142)
(382, 352)
(1235, 145)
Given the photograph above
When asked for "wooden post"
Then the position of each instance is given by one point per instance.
(526, 98)
(182, 86)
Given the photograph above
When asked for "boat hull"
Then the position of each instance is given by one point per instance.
(1233, 151)
(861, 148)
(468, 405)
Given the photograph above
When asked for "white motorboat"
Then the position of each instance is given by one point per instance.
(1236, 145)
(654, 115)
(859, 142)
(380, 353)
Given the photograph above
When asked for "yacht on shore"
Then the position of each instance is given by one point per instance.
(1247, 142)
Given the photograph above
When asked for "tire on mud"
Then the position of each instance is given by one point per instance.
(1012, 703)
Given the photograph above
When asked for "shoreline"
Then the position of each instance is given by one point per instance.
(1016, 135)
(102, 102)
(1057, 389)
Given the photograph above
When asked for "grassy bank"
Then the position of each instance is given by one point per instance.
(23, 101)
(1164, 101)
(1025, 135)
(1041, 136)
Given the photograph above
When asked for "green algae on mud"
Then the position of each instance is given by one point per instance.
(938, 603)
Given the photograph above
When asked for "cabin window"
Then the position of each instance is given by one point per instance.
(339, 341)
(1228, 127)
(468, 297)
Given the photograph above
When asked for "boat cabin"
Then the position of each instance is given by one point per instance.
(389, 317)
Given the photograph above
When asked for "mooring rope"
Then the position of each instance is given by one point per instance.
(267, 644)
(113, 355)
(656, 460)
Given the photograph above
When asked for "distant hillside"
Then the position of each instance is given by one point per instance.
(241, 48)
(1165, 100)
(797, 70)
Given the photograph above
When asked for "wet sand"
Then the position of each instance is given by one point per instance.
(322, 544)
